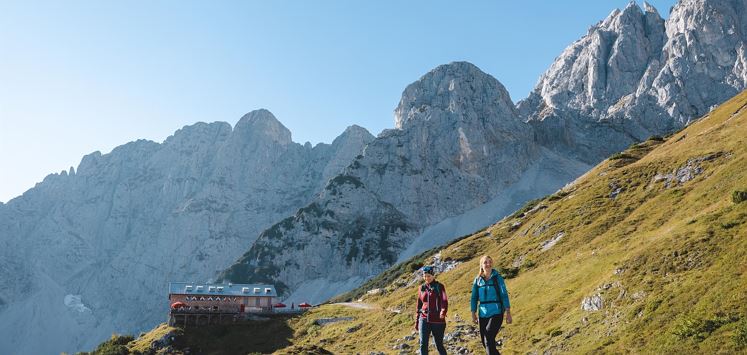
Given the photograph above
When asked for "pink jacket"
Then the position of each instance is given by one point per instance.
(431, 301)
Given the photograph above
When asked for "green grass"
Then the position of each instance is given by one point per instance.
(116, 345)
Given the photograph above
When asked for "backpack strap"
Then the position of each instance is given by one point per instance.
(494, 279)
(436, 287)
(498, 291)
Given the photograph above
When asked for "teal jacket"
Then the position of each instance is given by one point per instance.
(484, 292)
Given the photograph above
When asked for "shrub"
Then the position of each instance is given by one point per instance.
(740, 337)
(656, 138)
(529, 264)
(526, 208)
(116, 345)
(698, 328)
(554, 332)
(687, 327)
(558, 195)
(739, 196)
(508, 272)
(729, 225)
(622, 155)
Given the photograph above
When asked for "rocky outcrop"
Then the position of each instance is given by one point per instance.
(90, 250)
(631, 76)
(635, 75)
(458, 144)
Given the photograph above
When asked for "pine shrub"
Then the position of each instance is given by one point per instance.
(739, 196)
(740, 337)
(508, 272)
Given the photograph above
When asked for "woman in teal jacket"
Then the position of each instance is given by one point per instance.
(490, 290)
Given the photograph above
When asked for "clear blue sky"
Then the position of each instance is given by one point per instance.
(80, 76)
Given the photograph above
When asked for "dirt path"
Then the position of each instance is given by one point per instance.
(359, 305)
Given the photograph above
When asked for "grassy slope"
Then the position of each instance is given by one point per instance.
(669, 262)
(680, 255)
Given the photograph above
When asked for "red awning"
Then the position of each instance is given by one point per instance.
(176, 305)
(279, 305)
(304, 305)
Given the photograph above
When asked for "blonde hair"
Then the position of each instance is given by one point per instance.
(484, 273)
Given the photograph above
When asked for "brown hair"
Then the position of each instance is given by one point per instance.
(484, 273)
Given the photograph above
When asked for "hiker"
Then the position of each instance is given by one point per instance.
(490, 290)
(431, 315)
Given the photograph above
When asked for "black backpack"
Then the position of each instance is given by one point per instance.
(436, 287)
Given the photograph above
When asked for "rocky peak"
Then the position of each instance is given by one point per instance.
(606, 64)
(705, 56)
(619, 18)
(345, 148)
(650, 9)
(263, 125)
(199, 133)
(353, 133)
(639, 76)
(713, 19)
(450, 88)
(630, 13)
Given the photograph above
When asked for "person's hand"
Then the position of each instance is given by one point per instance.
(416, 326)
(474, 317)
(443, 314)
(508, 317)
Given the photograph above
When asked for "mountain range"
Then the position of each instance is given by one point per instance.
(642, 254)
(90, 250)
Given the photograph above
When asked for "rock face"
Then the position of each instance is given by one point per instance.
(634, 75)
(461, 153)
(458, 144)
(88, 253)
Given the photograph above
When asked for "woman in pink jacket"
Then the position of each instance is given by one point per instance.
(432, 307)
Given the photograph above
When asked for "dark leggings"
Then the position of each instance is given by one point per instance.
(489, 328)
(437, 329)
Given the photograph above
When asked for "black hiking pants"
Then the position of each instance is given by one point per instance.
(437, 329)
(489, 328)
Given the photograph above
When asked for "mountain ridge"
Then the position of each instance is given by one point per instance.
(644, 253)
(164, 210)
(206, 202)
